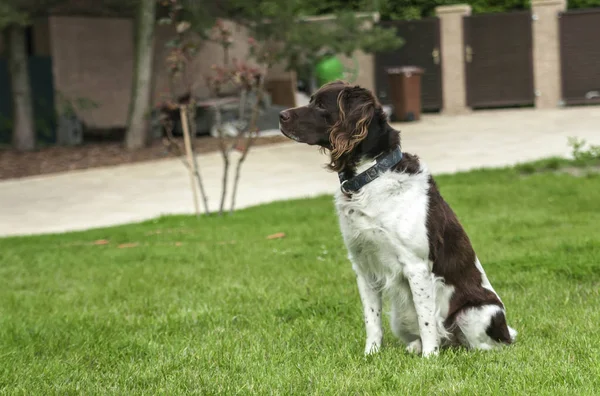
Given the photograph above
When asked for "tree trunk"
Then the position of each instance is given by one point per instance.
(139, 108)
(23, 125)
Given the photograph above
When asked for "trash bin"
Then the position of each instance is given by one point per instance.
(405, 92)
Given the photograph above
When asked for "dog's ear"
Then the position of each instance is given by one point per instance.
(356, 107)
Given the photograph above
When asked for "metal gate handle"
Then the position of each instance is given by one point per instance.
(436, 56)
(468, 54)
(592, 95)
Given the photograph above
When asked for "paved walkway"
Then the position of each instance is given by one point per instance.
(108, 196)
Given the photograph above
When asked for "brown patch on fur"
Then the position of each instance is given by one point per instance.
(452, 254)
(498, 329)
(408, 164)
(356, 110)
(453, 257)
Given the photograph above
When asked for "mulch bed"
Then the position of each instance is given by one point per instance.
(14, 164)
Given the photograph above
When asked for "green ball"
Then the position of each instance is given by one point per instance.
(328, 70)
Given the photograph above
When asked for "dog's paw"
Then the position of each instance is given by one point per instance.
(431, 352)
(414, 347)
(513, 334)
(372, 347)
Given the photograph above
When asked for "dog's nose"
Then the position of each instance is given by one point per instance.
(284, 116)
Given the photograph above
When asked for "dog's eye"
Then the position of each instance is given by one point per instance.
(319, 105)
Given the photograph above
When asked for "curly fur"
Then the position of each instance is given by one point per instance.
(356, 110)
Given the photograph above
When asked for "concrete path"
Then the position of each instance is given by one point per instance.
(108, 196)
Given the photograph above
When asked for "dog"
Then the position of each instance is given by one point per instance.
(404, 241)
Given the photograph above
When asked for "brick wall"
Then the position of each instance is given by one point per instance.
(210, 53)
(93, 59)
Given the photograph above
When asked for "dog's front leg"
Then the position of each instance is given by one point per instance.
(371, 302)
(422, 289)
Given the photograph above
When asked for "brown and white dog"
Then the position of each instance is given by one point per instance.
(403, 240)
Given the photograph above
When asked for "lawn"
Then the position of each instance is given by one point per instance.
(212, 306)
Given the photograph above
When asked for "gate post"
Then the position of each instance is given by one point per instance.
(546, 52)
(454, 81)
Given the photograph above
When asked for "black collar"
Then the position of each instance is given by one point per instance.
(353, 184)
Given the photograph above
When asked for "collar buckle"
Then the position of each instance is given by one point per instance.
(343, 188)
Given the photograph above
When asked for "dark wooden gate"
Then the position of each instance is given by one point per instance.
(580, 56)
(421, 48)
(499, 59)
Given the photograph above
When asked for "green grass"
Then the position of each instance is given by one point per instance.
(212, 306)
(556, 164)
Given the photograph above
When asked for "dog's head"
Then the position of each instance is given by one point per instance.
(346, 120)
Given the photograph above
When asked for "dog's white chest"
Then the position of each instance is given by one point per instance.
(386, 222)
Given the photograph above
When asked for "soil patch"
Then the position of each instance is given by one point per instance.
(14, 164)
